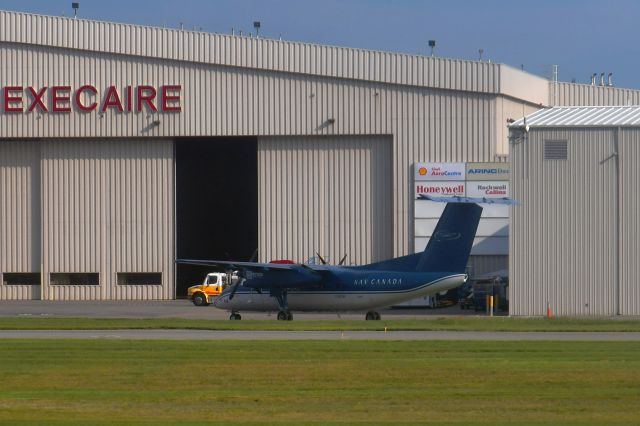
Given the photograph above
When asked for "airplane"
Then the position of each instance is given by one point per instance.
(287, 287)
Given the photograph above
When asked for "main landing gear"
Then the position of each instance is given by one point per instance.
(235, 316)
(285, 316)
(281, 297)
(372, 316)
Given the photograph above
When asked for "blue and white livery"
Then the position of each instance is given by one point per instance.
(299, 287)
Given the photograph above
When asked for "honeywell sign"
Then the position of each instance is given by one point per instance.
(88, 98)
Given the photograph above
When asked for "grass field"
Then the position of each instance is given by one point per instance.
(108, 382)
(426, 323)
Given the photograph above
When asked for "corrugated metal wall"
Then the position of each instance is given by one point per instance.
(327, 194)
(572, 94)
(19, 215)
(563, 234)
(426, 124)
(481, 265)
(108, 208)
(247, 52)
(629, 149)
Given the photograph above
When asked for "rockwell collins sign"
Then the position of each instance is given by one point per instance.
(89, 98)
(488, 180)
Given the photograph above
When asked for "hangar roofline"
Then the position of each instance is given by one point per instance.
(581, 116)
(273, 55)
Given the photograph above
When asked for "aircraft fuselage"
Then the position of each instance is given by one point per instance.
(342, 289)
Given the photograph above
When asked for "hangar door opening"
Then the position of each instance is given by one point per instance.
(325, 194)
(216, 203)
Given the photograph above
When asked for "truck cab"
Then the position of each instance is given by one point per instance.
(213, 284)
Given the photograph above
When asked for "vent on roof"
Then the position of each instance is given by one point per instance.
(555, 150)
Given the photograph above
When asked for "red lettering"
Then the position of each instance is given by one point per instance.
(129, 98)
(8, 99)
(148, 98)
(37, 99)
(166, 98)
(87, 98)
(59, 98)
(112, 100)
(79, 104)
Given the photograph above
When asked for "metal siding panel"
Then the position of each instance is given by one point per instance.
(61, 32)
(572, 94)
(630, 222)
(19, 215)
(329, 194)
(562, 236)
(108, 208)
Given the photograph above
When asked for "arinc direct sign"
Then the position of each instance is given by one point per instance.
(487, 171)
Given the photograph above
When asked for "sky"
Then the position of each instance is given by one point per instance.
(581, 37)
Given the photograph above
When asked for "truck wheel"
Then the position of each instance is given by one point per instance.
(199, 299)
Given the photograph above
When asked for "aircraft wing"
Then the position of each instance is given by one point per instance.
(252, 266)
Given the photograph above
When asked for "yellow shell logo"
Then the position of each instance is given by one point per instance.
(423, 171)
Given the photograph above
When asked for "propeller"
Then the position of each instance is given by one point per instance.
(234, 289)
(254, 256)
(229, 273)
(324, 262)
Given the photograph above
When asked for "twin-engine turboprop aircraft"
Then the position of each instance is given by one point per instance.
(298, 287)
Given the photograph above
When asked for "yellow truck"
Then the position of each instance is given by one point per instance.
(213, 284)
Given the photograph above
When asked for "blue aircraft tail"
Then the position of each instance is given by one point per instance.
(450, 245)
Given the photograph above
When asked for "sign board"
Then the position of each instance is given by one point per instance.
(440, 188)
(484, 180)
(488, 189)
(439, 171)
(487, 171)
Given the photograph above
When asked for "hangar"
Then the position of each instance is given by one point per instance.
(574, 238)
(124, 147)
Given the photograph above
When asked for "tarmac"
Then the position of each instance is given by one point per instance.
(316, 335)
(185, 309)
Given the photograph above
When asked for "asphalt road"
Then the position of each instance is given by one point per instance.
(185, 309)
(314, 335)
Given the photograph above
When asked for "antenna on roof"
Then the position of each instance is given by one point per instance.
(432, 45)
(75, 6)
(480, 52)
(256, 25)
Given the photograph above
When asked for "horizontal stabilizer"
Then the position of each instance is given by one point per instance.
(477, 200)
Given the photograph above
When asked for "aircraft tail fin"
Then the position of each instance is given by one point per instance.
(450, 245)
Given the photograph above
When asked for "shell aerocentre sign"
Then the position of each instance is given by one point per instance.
(88, 98)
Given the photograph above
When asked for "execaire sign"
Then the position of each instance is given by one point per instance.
(87, 98)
